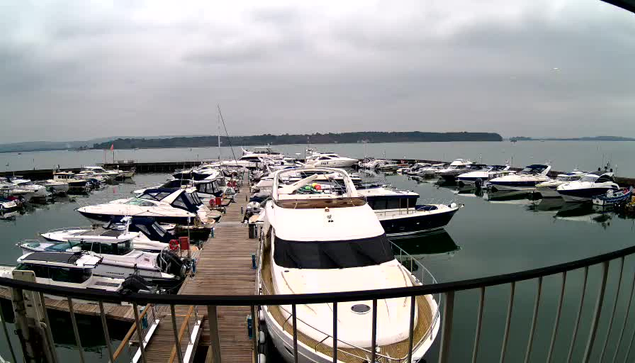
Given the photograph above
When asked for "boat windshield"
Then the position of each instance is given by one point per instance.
(62, 247)
(333, 254)
(140, 202)
(590, 178)
(533, 169)
(107, 248)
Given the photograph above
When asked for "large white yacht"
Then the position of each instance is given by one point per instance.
(320, 236)
(587, 188)
(479, 177)
(549, 189)
(458, 166)
(180, 206)
(525, 180)
(330, 160)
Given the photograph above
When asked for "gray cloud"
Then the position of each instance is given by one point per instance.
(77, 70)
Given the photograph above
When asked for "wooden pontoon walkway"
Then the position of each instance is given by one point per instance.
(224, 267)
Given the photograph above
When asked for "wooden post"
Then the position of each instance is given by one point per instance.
(212, 318)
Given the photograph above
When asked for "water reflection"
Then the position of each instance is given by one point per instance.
(509, 197)
(584, 212)
(438, 244)
(547, 205)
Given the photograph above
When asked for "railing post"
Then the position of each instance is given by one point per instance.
(142, 348)
(446, 327)
(617, 299)
(577, 322)
(177, 341)
(413, 304)
(508, 321)
(479, 325)
(295, 333)
(373, 353)
(335, 332)
(596, 314)
(628, 313)
(556, 322)
(78, 340)
(212, 318)
(104, 324)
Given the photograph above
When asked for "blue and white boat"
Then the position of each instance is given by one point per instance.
(614, 197)
(587, 188)
(525, 180)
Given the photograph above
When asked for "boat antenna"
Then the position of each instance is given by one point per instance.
(226, 133)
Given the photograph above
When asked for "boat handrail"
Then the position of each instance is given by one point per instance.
(68, 229)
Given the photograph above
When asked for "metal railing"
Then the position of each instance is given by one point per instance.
(623, 344)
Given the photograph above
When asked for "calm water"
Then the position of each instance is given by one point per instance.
(563, 155)
(484, 238)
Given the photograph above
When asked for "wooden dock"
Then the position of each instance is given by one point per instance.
(224, 267)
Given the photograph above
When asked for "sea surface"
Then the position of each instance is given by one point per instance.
(563, 155)
(488, 236)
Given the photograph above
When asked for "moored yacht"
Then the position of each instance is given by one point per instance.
(330, 160)
(458, 166)
(399, 213)
(525, 180)
(67, 269)
(180, 206)
(323, 239)
(549, 188)
(75, 185)
(479, 177)
(587, 188)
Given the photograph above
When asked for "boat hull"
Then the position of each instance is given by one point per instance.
(159, 218)
(582, 195)
(417, 222)
(517, 185)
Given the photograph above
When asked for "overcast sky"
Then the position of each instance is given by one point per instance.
(73, 70)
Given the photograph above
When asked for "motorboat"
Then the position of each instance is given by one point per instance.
(55, 187)
(414, 169)
(588, 187)
(330, 160)
(75, 185)
(34, 191)
(144, 233)
(613, 197)
(399, 213)
(373, 164)
(119, 258)
(263, 152)
(458, 166)
(66, 269)
(430, 171)
(92, 171)
(179, 206)
(9, 205)
(479, 177)
(549, 188)
(525, 180)
(320, 236)
(209, 182)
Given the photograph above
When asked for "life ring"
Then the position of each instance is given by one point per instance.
(174, 244)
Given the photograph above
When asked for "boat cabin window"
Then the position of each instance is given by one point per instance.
(533, 169)
(333, 254)
(61, 274)
(155, 195)
(590, 178)
(140, 202)
(107, 248)
(604, 179)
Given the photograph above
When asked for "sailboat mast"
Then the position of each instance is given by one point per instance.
(219, 153)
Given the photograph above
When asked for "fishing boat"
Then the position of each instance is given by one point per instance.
(325, 239)
(614, 197)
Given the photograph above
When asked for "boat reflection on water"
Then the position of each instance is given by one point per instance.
(511, 197)
(469, 191)
(547, 205)
(435, 245)
(584, 212)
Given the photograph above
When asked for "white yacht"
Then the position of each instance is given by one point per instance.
(430, 171)
(549, 189)
(373, 164)
(119, 258)
(179, 206)
(263, 152)
(144, 233)
(458, 166)
(414, 169)
(33, 190)
(108, 175)
(55, 187)
(479, 177)
(69, 270)
(587, 188)
(325, 238)
(75, 185)
(399, 213)
(525, 180)
(330, 160)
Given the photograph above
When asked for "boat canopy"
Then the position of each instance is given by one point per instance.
(534, 169)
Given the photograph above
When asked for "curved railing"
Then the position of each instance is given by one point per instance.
(448, 289)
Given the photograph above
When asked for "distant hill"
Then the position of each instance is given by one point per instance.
(589, 138)
(317, 138)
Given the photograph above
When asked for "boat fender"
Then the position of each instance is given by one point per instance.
(261, 337)
(262, 358)
(261, 316)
